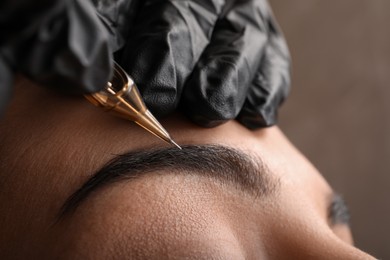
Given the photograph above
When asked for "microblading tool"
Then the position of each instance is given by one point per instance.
(122, 98)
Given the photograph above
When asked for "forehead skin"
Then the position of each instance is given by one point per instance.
(51, 144)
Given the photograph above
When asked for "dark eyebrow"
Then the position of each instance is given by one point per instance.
(338, 212)
(223, 164)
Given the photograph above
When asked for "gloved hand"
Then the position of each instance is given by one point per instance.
(215, 59)
(6, 81)
(59, 43)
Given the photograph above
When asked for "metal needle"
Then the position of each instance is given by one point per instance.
(122, 98)
(175, 144)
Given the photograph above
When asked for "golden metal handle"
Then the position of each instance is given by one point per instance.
(122, 98)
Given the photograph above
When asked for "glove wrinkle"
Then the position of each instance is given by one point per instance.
(164, 45)
(69, 51)
(205, 21)
(258, 108)
(271, 84)
(216, 90)
(118, 17)
(6, 80)
(94, 45)
(212, 6)
(217, 59)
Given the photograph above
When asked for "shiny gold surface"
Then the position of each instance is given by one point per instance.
(122, 98)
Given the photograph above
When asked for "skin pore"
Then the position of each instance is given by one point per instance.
(50, 145)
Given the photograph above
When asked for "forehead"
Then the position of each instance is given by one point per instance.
(61, 136)
(55, 142)
(72, 130)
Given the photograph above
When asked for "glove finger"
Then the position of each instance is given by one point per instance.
(271, 84)
(6, 80)
(218, 86)
(68, 51)
(118, 17)
(167, 40)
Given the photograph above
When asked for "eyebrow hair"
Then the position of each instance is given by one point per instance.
(338, 212)
(226, 165)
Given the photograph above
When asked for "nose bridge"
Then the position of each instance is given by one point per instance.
(329, 246)
(302, 238)
(342, 250)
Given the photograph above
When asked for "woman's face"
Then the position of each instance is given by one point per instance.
(198, 203)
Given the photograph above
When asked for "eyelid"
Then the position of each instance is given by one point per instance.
(338, 212)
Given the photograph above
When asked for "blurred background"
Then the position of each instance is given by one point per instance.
(338, 113)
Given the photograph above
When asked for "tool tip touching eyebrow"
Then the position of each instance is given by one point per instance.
(223, 164)
(175, 144)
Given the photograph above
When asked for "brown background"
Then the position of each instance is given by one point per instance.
(338, 112)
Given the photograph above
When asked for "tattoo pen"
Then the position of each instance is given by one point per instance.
(122, 98)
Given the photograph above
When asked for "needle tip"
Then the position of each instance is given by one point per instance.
(175, 144)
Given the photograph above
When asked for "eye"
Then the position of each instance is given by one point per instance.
(339, 218)
(338, 211)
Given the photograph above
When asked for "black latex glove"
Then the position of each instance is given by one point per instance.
(208, 55)
(6, 80)
(59, 43)
(216, 59)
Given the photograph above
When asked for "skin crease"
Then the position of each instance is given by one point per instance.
(50, 145)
